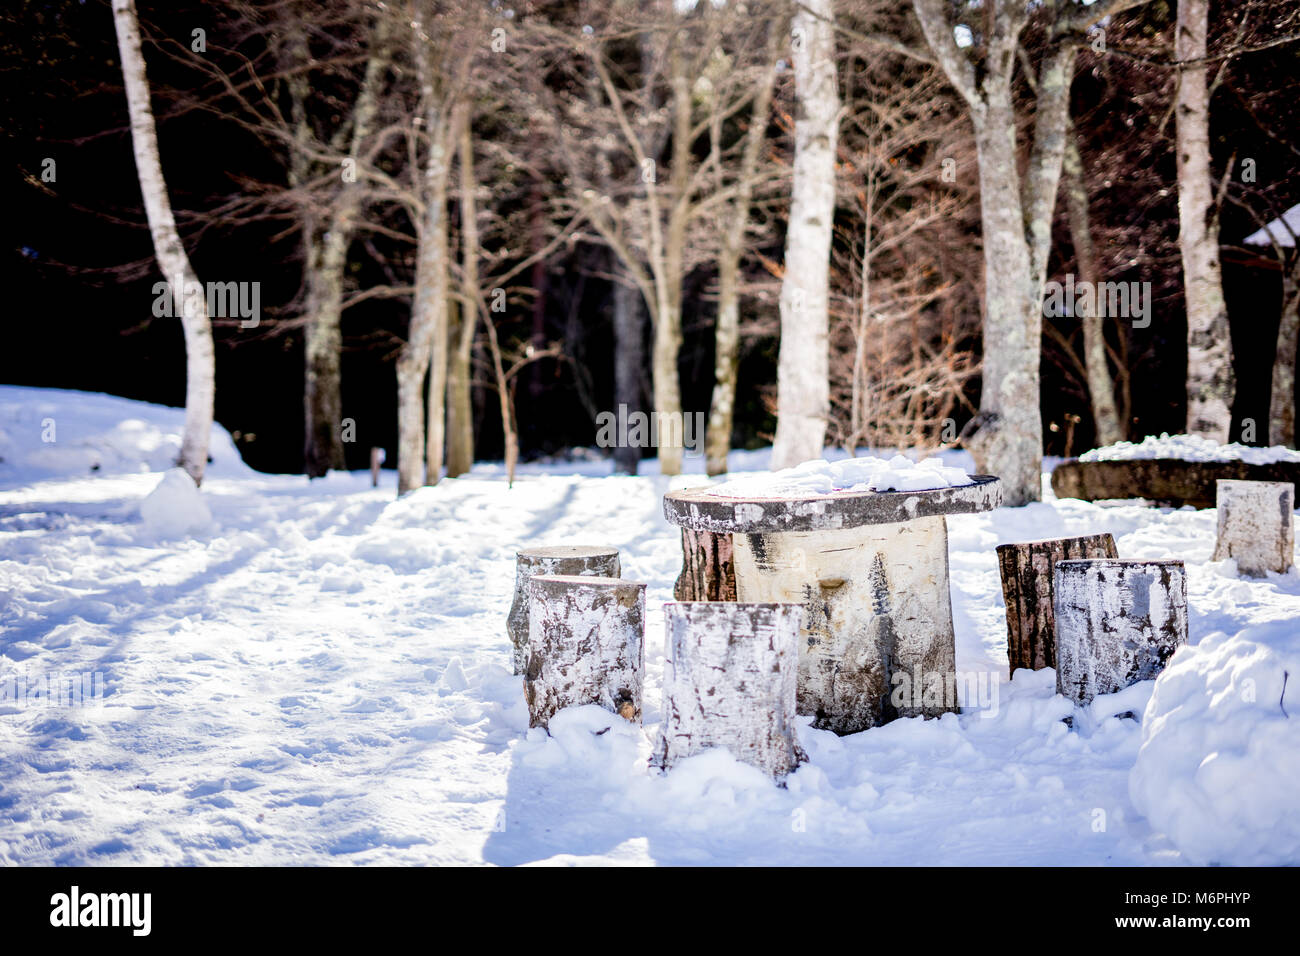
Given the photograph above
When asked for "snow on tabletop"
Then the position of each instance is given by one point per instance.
(821, 477)
(1190, 448)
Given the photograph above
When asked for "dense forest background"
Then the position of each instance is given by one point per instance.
(79, 267)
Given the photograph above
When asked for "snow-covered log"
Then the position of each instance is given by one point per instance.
(1256, 525)
(729, 681)
(562, 559)
(586, 645)
(708, 567)
(1117, 622)
(1027, 587)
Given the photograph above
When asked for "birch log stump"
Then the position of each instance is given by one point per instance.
(1027, 587)
(1256, 525)
(708, 567)
(586, 645)
(1117, 622)
(562, 559)
(871, 572)
(729, 681)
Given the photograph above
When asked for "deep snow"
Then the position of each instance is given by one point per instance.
(320, 674)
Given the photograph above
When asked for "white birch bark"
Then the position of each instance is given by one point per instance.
(803, 366)
(717, 443)
(586, 645)
(425, 351)
(1117, 622)
(729, 681)
(1256, 525)
(323, 333)
(570, 560)
(1006, 438)
(1210, 380)
(200, 363)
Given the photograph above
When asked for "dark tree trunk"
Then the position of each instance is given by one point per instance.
(708, 572)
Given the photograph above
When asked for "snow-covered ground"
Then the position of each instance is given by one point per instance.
(319, 673)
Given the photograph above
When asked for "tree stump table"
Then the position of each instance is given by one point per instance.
(871, 571)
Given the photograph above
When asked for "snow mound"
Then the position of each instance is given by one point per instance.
(53, 433)
(175, 507)
(1219, 766)
(1190, 448)
(821, 477)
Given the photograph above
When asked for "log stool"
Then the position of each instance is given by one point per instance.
(1256, 525)
(1027, 587)
(562, 559)
(1117, 622)
(729, 681)
(586, 645)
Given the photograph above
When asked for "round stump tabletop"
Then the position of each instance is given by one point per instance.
(700, 510)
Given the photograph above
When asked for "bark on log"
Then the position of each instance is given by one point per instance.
(1256, 525)
(586, 645)
(708, 570)
(563, 559)
(877, 640)
(729, 681)
(1027, 587)
(1117, 622)
(1165, 480)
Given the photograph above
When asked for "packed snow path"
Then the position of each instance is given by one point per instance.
(323, 676)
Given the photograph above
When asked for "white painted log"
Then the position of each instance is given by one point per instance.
(586, 645)
(729, 681)
(559, 559)
(1117, 622)
(1256, 525)
(877, 636)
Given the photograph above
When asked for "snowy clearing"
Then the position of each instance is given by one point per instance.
(320, 674)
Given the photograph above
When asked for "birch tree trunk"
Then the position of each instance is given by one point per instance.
(1281, 407)
(322, 392)
(717, 442)
(1210, 380)
(425, 351)
(200, 363)
(1101, 388)
(1010, 442)
(803, 365)
(669, 258)
(1016, 217)
(460, 408)
(629, 360)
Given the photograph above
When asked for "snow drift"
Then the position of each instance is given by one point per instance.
(1219, 768)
